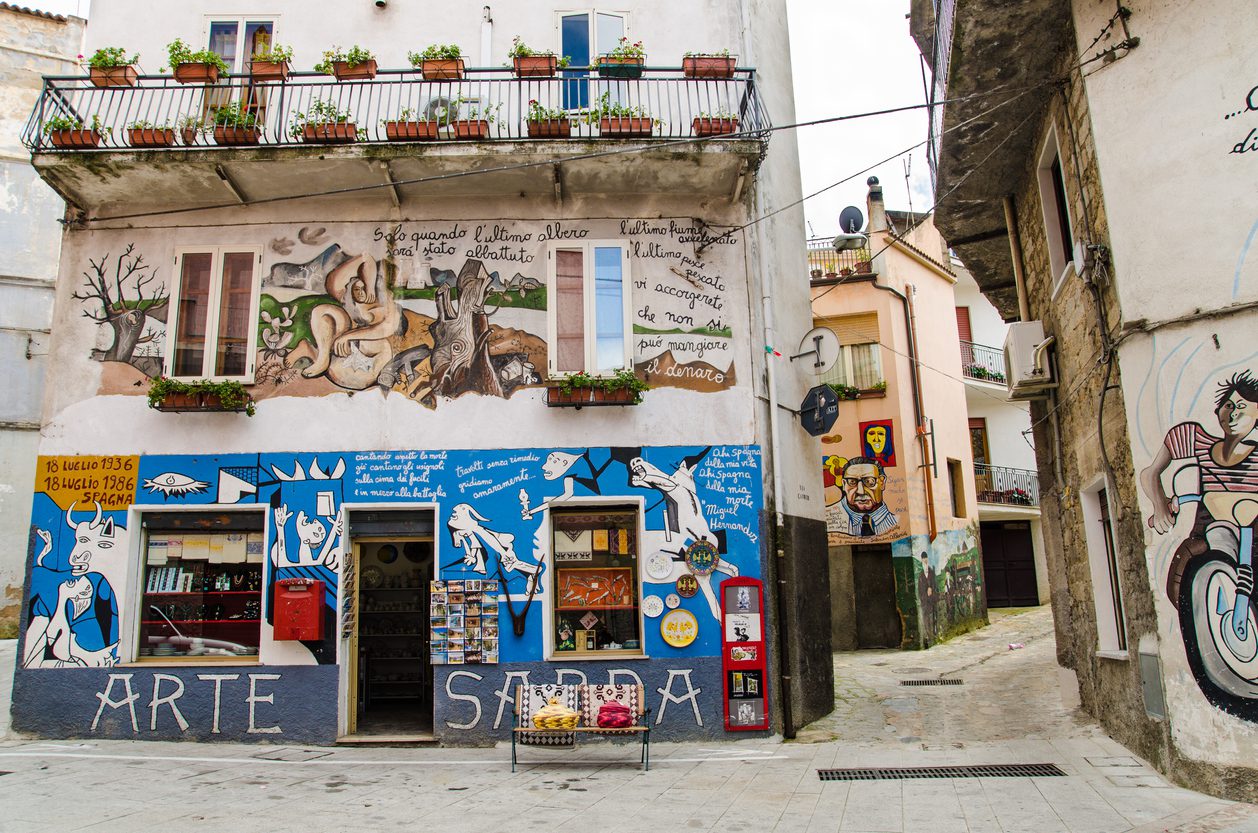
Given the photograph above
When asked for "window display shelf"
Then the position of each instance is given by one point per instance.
(202, 593)
(201, 621)
(597, 607)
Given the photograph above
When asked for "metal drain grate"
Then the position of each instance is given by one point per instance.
(943, 681)
(976, 771)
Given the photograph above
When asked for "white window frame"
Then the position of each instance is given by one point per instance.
(588, 298)
(241, 21)
(212, 313)
(1111, 627)
(1061, 262)
(593, 13)
(548, 558)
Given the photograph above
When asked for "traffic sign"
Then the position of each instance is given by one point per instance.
(819, 410)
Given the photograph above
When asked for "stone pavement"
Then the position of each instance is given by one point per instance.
(751, 786)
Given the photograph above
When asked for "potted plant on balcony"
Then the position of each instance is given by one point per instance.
(864, 267)
(200, 67)
(166, 394)
(720, 123)
(474, 120)
(65, 133)
(544, 123)
(323, 123)
(708, 64)
(578, 389)
(236, 124)
(408, 127)
(110, 67)
(354, 64)
(845, 391)
(143, 134)
(530, 63)
(190, 127)
(625, 61)
(621, 121)
(439, 62)
(271, 63)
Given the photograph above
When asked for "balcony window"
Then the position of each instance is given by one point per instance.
(583, 36)
(589, 318)
(216, 305)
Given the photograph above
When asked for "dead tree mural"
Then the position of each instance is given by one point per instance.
(106, 301)
(460, 352)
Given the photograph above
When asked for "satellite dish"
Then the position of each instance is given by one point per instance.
(822, 345)
(851, 220)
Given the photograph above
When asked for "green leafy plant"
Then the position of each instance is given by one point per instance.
(111, 56)
(352, 57)
(274, 54)
(538, 113)
(148, 125)
(520, 50)
(626, 50)
(193, 123)
(436, 52)
(606, 108)
(624, 379)
(723, 53)
(236, 114)
(178, 52)
(470, 109)
(845, 391)
(319, 112)
(880, 386)
(720, 115)
(56, 123)
(232, 395)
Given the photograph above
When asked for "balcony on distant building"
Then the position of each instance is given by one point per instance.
(1006, 486)
(981, 363)
(826, 263)
(166, 144)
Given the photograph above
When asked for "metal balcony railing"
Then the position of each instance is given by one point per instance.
(493, 94)
(823, 259)
(1010, 487)
(983, 363)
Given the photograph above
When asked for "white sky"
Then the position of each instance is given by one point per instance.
(848, 56)
(853, 56)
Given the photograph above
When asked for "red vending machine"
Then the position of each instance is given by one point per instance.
(742, 654)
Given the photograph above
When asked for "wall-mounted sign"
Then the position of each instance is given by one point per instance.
(819, 410)
(742, 654)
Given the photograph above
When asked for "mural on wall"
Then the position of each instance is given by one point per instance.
(435, 310)
(1210, 575)
(939, 585)
(863, 503)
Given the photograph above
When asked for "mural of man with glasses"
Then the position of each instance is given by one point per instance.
(862, 512)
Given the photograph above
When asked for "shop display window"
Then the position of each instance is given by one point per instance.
(202, 591)
(595, 581)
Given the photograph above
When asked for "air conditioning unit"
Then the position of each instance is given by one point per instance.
(1027, 369)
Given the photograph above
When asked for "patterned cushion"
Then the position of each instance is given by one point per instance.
(531, 699)
(594, 696)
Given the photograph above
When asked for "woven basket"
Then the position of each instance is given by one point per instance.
(567, 721)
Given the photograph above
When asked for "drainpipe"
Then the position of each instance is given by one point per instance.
(1015, 253)
(486, 36)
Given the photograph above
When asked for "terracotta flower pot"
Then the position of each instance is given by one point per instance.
(714, 127)
(550, 129)
(625, 127)
(189, 135)
(442, 69)
(864, 267)
(470, 129)
(410, 131)
(227, 134)
(180, 402)
(196, 74)
(535, 66)
(340, 132)
(620, 67)
(150, 137)
(358, 72)
(269, 71)
(74, 139)
(124, 76)
(707, 66)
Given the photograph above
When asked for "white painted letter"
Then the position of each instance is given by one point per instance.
(692, 694)
(563, 672)
(218, 693)
(158, 701)
(128, 701)
(254, 698)
(470, 698)
(613, 673)
(507, 693)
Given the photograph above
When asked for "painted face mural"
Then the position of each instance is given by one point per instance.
(862, 501)
(877, 442)
(1210, 579)
(863, 512)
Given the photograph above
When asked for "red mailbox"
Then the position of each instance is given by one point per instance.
(298, 609)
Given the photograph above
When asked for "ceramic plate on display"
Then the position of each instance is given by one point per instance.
(679, 628)
(673, 601)
(373, 576)
(652, 606)
(413, 551)
(387, 554)
(659, 566)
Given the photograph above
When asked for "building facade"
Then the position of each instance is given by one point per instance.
(1065, 215)
(901, 505)
(403, 315)
(32, 44)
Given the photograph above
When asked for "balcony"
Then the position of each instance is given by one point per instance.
(825, 263)
(476, 125)
(1005, 486)
(982, 363)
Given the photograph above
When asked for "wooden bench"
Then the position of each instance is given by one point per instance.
(585, 699)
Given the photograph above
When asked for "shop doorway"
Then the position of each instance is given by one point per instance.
(391, 681)
(873, 584)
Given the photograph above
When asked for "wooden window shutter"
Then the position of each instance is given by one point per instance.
(963, 324)
(856, 329)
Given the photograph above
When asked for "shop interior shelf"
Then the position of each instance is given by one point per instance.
(202, 592)
(202, 621)
(596, 607)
